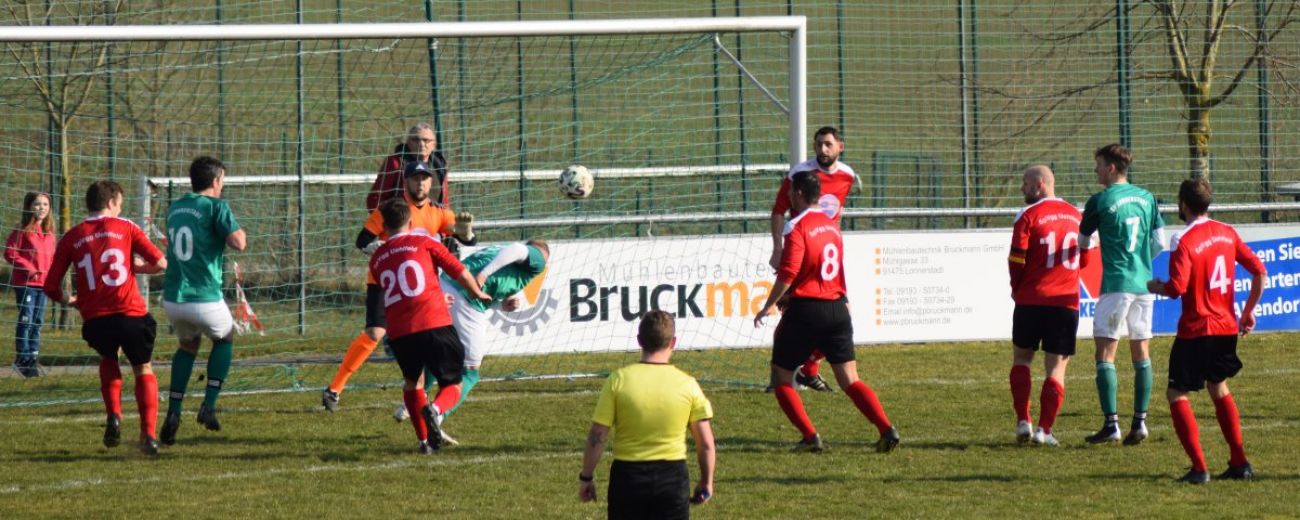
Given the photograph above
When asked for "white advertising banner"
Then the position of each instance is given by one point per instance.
(903, 287)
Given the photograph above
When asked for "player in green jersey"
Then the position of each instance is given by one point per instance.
(200, 226)
(503, 271)
(1131, 233)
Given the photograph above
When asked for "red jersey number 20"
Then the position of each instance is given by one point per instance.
(400, 282)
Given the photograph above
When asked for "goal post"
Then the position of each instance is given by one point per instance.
(675, 117)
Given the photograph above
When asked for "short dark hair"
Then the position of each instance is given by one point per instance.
(1196, 194)
(100, 193)
(656, 331)
(396, 213)
(1116, 155)
(540, 244)
(832, 131)
(204, 171)
(807, 183)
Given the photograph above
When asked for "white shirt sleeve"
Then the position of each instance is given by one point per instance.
(1158, 242)
(517, 252)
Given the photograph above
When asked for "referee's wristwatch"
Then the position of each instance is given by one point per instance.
(586, 478)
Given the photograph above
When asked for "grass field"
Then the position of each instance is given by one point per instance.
(281, 456)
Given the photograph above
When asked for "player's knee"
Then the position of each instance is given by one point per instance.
(375, 333)
(1174, 394)
(191, 346)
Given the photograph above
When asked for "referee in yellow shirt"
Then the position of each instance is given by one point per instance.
(649, 405)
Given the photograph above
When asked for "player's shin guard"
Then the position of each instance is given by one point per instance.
(1226, 411)
(448, 397)
(1188, 433)
(792, 405)
(1049, 403)
(467, 383)
(110, 385)
(1142, 382)
(1021, 385)
(865, 399)
(416, 400)
(146, 398)
(813, 367)
(1107, 385)
(218, 369)
(358, 351)
(182, 369)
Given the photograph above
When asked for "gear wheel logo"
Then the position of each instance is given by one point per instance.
(527, 321)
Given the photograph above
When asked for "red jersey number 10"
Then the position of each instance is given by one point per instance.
(1069, 250)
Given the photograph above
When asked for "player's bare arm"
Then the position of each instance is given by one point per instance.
(706, 454)
(594, 447)
(466, 280)
(237, 240)
(769, 307)
(778, 225)
(1247, 320)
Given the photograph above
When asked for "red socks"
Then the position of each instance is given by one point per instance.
(869, 405)
(1188, 433)
(788, 398)
(1021, 385)
(447, 398)
(146, 397)
(1049, 403)
(813, 366)
(110, 385)
(1226, 411)
(415, 401)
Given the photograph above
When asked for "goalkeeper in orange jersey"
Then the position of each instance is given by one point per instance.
(427, 217)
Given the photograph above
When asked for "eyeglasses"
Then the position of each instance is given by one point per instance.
(422, 140)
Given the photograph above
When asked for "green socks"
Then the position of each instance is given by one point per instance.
(1106, 388)
(182, 368)
(1142, 382)
(467, 383)
(218, 369)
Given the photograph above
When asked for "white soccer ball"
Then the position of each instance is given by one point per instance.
(576, 182)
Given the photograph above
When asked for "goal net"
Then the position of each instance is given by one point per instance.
(687, 125)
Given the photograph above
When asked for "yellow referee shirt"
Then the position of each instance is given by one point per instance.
(649, 407)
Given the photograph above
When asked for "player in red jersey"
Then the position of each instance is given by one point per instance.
(1204, 354)
(1044, 266)
(419, 324)
(812, 270)
(837, 180)
(106, 252)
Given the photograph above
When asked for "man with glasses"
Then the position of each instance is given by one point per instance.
(420, 146)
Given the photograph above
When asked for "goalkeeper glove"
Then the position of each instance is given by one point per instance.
(465, 226)
(372, 246)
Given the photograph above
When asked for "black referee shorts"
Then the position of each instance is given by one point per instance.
(1053, 327)
(439, 350)
(650, 490)
(374, 306)
(133, 334)
(1194, 361)
(809, 324)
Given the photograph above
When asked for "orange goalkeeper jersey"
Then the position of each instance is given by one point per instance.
(430, 219)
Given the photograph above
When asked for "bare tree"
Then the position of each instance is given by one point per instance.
(64, 75)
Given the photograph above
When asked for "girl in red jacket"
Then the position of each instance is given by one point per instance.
(30, 248)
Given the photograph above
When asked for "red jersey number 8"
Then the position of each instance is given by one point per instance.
(398, 281)
(830, 262)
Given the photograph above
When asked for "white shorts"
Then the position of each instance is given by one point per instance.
(192, 320)
(471, 324)
(1116, 310)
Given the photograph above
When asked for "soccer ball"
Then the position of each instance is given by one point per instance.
(576, 182)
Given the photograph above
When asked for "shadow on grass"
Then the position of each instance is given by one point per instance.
(788, 480)
(961, 478)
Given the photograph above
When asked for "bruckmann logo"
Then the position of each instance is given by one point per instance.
(539, 306)
(589, 301)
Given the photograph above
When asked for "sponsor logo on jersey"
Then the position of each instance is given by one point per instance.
(829, 204)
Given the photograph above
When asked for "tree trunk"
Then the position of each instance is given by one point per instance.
(1198, 143)
(65, 186)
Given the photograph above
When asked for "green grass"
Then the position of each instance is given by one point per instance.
(279, 456)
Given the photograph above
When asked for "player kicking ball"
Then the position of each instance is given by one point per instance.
(420, 329)
(812, 270)
(107, 252)
(1204, 354)
(1044, 267)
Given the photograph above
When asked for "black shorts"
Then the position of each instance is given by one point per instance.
(1192, 362)
(1054, 327)
(374, 306)
(133, 334)
(438, 350)
(809, 325)
(655, 490)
